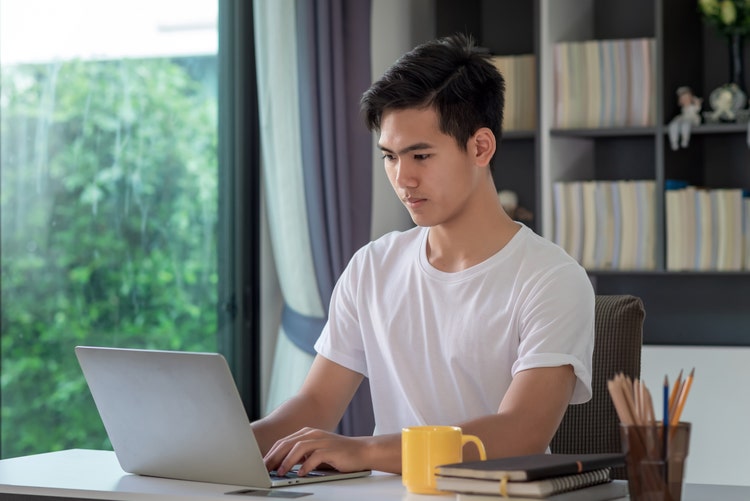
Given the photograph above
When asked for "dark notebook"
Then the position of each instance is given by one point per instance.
(531, 467)
(532, 488)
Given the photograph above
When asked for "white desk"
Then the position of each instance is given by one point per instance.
(86, 474)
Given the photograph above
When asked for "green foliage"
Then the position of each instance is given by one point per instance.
(728, 17)
(109, 215)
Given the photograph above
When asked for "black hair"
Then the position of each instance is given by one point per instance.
(451, 74)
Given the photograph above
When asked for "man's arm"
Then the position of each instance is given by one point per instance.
(300, 430)
(525, 423)
(529, 414)
(320, 403)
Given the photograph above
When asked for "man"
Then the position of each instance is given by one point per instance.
(469, 319)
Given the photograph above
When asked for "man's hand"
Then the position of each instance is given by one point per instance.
(313, 448)
(318, 407)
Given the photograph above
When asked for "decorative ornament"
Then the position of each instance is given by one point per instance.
(689, 117)
(726, 101)
(509, 201)
(731, 19)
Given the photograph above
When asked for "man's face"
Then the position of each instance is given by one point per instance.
(432, 176)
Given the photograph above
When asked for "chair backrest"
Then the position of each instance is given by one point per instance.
(594, 427)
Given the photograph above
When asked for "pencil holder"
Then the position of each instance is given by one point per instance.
(655, 459)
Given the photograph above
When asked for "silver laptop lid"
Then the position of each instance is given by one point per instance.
(174, 414)
(179, 415)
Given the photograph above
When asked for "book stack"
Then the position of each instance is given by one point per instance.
(538, 476)
(605, 83)
(707, 229)
(607, 225)
(519, 73)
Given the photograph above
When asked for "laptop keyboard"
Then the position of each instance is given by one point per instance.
(293, 474)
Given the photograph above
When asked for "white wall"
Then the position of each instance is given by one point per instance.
(718, 407)
(397, 26)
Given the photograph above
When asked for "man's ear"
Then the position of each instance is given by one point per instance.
(483, 146)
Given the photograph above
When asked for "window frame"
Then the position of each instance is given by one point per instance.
(239, 201)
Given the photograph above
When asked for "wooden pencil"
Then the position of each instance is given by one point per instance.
(681, 398)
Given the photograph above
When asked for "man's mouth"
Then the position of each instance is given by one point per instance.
(414, 202)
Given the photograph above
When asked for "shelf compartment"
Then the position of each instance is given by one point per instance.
(683, 308)
(605, 132)
(728, 128)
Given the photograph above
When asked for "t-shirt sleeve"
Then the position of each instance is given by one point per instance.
(557, 326)
(341, 338)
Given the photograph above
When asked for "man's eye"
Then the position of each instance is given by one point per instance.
(388, 156)
(422, 156)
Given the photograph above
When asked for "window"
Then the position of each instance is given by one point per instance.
(109, 199)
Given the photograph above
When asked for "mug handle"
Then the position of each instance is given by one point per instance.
(465, 439)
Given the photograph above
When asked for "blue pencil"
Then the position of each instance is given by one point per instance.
(665, 419)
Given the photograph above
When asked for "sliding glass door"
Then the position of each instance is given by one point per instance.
(109, 193)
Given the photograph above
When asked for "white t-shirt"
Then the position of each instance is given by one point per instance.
(442, 348)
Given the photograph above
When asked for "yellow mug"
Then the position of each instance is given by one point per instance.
(425, 447)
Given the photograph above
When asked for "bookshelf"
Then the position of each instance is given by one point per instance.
(683, 307)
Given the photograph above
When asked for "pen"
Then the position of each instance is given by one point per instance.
(665, 418)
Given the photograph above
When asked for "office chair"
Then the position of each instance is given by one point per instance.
(594, 427)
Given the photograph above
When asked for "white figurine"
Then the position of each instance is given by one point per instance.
(723, 105)
(726, 102)
(679, 127)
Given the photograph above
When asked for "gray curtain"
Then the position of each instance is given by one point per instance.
(333, 47)
(317, 167)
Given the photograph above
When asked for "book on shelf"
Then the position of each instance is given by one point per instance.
(527, 489)
(642, 111)
(562, 85)
(706, 229)
(575, 223)
(590, 211)
(519, 73)
(528, 99)
(629, 225)
(690, 221)
(532, 466)
(593, 102)
(649, 81)
(601, 228)
(576, 74)
(675, 221)
(606, 224)
(614, 490)
(605, 83)
(645, 191)
(636, 75)
(729, 217)
(622, 93)
(562, 214)
(683, 220)
(704, 252)
(616, 236)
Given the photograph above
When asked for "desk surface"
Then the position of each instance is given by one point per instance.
(87, 474)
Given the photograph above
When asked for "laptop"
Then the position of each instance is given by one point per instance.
(179, 415)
